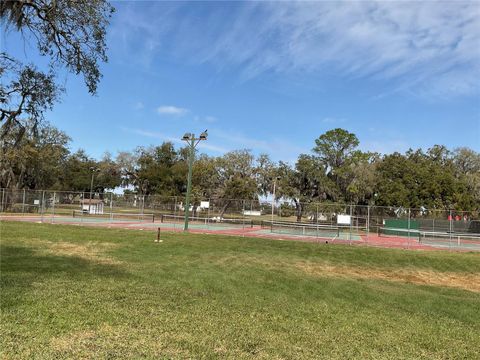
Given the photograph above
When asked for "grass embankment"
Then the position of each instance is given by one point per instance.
(79, 292)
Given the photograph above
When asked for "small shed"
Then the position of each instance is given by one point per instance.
(92, 206)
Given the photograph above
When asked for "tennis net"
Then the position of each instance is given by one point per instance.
(450, 238)
(291, 228)
(431, 237)
(212, 221)
(117, 217)
(394, 232)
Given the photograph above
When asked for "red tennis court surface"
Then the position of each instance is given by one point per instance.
(257, 232)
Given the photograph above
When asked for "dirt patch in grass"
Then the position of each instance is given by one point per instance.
(92, 251)
(459, 280)
(465, 281)
(117, 342)
(74, 340)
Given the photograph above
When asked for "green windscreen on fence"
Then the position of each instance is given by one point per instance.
(403, 224)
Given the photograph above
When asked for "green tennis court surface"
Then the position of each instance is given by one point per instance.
(179, 225)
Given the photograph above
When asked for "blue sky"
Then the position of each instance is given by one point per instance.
(272, 77)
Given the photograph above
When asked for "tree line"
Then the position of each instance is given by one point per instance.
(336, 171)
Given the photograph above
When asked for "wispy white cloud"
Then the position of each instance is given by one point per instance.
(164, 137)
(220, 141)
(214, 148)
(150, 134)
(171, 110)
(428, 47)
(139, 105)
(278, 148)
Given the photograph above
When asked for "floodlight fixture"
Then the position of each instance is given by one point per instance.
(203, 135)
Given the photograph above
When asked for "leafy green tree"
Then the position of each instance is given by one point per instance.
(71, 34)
(25, 94)
(466, 164)
(265, 174)
(305, 183)
(77, 174)
(236, 172)
(160, 170)
(362, 178)
(335, 148)
(466, 161)
(109, 175)
(430, 179)
(349, 169)
(394, 181)
(206, 179)
(126, 162)
(35, 161)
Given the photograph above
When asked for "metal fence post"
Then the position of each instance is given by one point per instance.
(175, 213)
(350, 233)
(451, 228)
(23, 203)
(368, 221)
(81, 207)
(43, 205)
(53, 206)
(111, 207)
(408, 227)
(243, 216)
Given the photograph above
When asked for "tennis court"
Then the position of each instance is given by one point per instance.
(465, 241)
(146, 220)
(206, 223)
(330, 232)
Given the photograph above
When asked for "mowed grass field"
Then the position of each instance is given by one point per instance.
(78, 292)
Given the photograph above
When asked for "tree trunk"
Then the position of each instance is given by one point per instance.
(299, 210)
(224, 209)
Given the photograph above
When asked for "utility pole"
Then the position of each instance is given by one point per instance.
(192, 142)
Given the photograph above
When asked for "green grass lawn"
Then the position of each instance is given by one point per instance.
(79, 292)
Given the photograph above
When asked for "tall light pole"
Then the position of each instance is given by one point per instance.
(93, 169)
(192, 142)
(274, 189)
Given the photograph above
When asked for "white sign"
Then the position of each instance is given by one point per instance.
(252, 212)
(343, 219)
(204, 204)
(36, 202)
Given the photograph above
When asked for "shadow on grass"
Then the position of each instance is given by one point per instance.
(21, 267)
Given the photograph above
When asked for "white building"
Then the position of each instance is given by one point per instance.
(93, 206)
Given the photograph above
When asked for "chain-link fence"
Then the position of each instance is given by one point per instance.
(344, 222)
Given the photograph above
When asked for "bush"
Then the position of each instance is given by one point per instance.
(287, 210)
